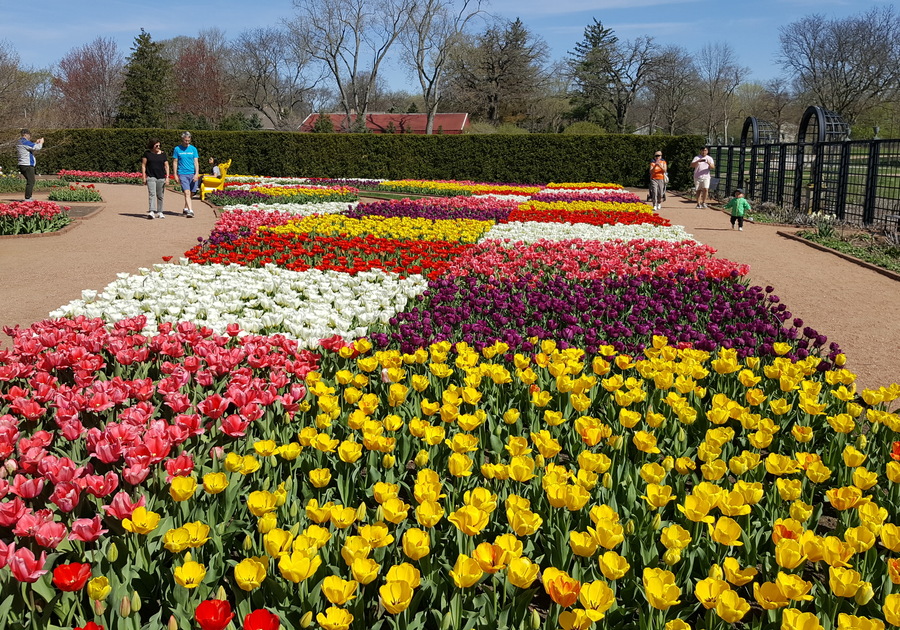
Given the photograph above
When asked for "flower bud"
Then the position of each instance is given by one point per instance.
(99, 607)
(861, 442)
(715, 572)
(267, 483)
(248, 542)
(865, 594)
(217, 453)
(447, 621)
(306, 619)
(125, 606)
(221, 594)
(657, 521)
(361, 513)
(135, 602)
(607, 481)
(682, 435)
(535, 619)
(173, 623)
(668, 463)
(629, 527)
(672, 556)
(422, 458)
(294, 510)
(11, 466)
(112, 553)
(388, 460)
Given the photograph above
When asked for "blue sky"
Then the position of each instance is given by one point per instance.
(42, 31)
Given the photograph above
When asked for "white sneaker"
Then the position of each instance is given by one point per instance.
(740, 229)
(151, 216)
(160, 215)
(190, 214)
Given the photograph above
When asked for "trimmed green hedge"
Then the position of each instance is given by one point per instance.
(533, 158)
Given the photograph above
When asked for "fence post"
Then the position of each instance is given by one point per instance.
(840, 195)
(871, 182)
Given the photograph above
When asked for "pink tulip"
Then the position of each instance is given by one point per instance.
(12, 511)
(234, 426)
(101, 486)
(25, 567)
(181, 466)
(66, 496)
(214, 406)
(135, 474)
(87, 529)
(27, 488)
(50, 534)
(122, 506)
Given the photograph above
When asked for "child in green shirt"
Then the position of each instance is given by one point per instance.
(738, 206)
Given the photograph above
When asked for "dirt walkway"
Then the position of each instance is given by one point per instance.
(39, 274)
(853, 306)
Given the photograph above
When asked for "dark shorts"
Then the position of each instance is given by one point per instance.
(189, 183)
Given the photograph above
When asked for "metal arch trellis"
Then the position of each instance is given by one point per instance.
(757, 139)
(819, 170)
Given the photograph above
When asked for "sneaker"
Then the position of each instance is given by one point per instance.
(184, 212)
(740, 229)
(151, 216)
(28, 199)
(160, 215)
(190, 214)
(699, 205)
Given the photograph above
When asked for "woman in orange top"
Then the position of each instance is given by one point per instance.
(658, 170)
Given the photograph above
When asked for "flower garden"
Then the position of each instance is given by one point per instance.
(497, 406)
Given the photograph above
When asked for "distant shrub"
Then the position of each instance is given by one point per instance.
(584, 128)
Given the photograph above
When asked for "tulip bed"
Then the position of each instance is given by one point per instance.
(557, 433)
(280, 194)
(32, 217)
(100, 178)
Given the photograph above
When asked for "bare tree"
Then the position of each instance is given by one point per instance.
(720, 75)
(89, 80)
(629, 62)
(352, 38)
(496, 74)
(12, 83)
(201, 88)
(271, 72)
(849, 65)
(670, 81)
(435, 26)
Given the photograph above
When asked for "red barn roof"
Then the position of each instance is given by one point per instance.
(402, 123)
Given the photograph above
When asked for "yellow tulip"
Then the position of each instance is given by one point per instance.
(708, 590)
(675, 537)
(142, 521)
(658, 496)
(596, 596)
(176, 540)
(277, 542)
(769, 596)
(843, 582)
(214, 483)
(335, 618)
(793, 587)
(660, 589)
(98, 588)
(789, 553)
(735, 575)
(190, 574)
(416, 543)
(395, 597)
(429, 513)
(890, 537)
(613, 566)
(298, 566)
(470, 520)
(261, 502)
(522, 572)
(732, 607)
(319, 477)
(583, 543)
(404, 572)
(793, 619)
(249, 574)
(726, 532)
(364, 570)
(891, 609)
(337, 590)
(466, 571)
(853, 622)
(560, 586)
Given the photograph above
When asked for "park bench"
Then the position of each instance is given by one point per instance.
(209, 182)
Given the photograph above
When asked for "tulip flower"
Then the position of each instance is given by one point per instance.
(395, 597)
(71, 577)
(660, 589)
(249, 574)
(793, 619)
(24, 566)
(142, 521)
(522, 572)
(561, 588)
(364, 570)
(404, 572)
(338, 591)
(214, 483)
(182, 488)
(213, 614)
(335, 618)
(732, 607)
(466, 571)
(891, 609)
(190, 574)
(708, 590)
(596, 596)
(99, 588)
(298, 566)
(261, 619)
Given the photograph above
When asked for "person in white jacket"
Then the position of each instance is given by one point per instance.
(25, 149)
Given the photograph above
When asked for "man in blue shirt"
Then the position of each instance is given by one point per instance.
(186, 164)
(25, 149)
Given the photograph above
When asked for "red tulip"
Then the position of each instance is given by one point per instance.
(261, 619)
(71, 577)
(90, 625)
(213, 614)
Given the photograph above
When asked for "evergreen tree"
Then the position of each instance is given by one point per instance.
(146, 94)
(591, 67)
(323, 124)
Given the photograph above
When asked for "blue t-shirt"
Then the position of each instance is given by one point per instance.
(186, 157)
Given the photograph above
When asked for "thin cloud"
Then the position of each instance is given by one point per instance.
(534, 7)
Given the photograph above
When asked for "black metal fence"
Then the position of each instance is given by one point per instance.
(857, 181)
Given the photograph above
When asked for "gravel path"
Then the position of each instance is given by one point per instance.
(853, 306)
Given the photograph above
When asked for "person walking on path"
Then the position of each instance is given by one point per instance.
(658, 175)
(739, 207)
(155, 171)
(703, 166)
(25, 149)
(186, 164)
